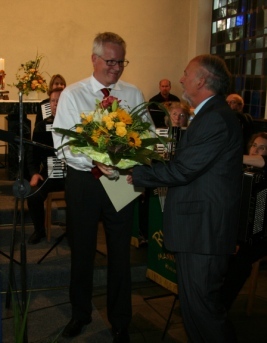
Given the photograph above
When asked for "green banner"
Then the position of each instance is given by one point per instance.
(135, 228)
(161, 266)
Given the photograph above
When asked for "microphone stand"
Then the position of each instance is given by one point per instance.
(21, 189)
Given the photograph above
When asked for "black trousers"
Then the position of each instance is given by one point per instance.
(36, 201)
(87, 203)
(200, 278)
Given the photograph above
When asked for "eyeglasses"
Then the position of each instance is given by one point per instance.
(112, 63)
(259, 147)
(180, 115)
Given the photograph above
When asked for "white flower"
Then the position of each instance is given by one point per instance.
(98, 115)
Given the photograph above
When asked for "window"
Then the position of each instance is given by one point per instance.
(238, 35)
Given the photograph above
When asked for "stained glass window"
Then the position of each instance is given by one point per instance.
(238, 35)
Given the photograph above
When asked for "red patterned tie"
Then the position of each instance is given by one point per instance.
(106, 92)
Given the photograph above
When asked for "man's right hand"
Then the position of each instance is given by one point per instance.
(35, 179)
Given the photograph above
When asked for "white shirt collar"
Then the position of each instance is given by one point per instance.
(198, 108)
(97, 86)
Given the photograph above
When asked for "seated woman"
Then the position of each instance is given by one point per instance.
(41, 179)
(179, 116)
(241, 263)
(57, 82)
(179, 113)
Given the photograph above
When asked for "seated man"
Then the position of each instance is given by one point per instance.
(37, 165)
(163, 96)
(236, 103)
(241, 263)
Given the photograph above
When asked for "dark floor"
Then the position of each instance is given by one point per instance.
(49, 308)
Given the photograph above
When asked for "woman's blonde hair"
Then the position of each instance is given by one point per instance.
(53, 78)
(170, 105)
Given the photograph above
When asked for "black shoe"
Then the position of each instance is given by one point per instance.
(74, 327)
(36, 237)
(121, 336)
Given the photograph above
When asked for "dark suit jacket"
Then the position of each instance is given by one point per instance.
(159, 98)
(37, 156)
(204, 179)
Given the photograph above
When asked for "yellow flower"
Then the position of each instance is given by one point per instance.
(108, 121)
(120, 129)
(110, 124)
(134, 139)
(124, 116)
(86, 118)
(89, 118)
(113, 115)
(101, 131)
(95, 135)
(79, 129)
(120, 124)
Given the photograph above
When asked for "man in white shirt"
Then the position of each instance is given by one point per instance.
(87, 201)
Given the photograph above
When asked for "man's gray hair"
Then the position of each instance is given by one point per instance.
(106, 37)
(215, 72)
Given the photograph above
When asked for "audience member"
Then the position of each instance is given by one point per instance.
(57, 81)
(236, 103)
(164, 95)
(201, 208)
(241, 263)
(87, 200)
(179, 114)
(36, 163)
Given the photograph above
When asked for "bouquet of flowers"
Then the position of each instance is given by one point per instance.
(29, 77)
(114, 136)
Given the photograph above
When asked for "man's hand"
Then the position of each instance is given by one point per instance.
(35, 179)
(129, 177)
(106, 170)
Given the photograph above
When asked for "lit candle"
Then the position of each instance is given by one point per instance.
(2, 64)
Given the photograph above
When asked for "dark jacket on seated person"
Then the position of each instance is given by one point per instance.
(159, 98)
(240, 264)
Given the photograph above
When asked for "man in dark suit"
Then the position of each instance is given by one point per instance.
(202, 204)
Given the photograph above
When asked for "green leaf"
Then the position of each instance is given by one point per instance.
(65, 132)
(114, 106)
(115, 158)
(152, 141)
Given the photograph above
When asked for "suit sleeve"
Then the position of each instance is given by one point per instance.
(205, 141)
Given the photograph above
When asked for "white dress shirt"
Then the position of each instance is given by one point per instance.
(81, 97)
